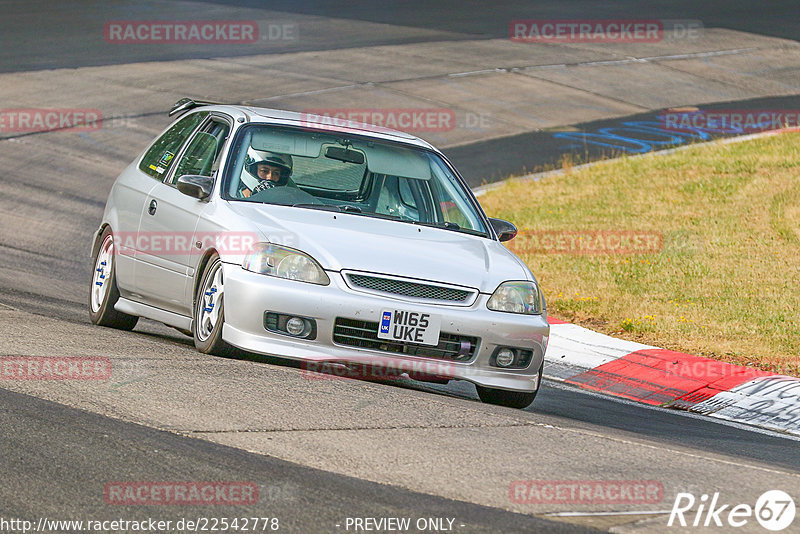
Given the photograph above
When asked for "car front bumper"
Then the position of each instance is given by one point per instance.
(248, 296)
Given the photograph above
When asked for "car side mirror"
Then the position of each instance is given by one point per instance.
(195, 186)
(504, 229)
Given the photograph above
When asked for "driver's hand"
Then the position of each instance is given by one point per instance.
(246, 193)
(265, 184)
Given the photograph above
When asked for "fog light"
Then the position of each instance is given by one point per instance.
(290, 325)
(295, 326)
(505, 357)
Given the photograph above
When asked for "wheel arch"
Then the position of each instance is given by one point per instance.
(98, 235)
(198, 273)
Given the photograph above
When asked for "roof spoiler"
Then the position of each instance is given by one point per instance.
(185, 104)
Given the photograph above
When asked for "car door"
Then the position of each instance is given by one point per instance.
(169, 220)
(132, 189)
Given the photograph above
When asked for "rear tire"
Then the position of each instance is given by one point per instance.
(209, 311)
(103, 294)
(510, 399)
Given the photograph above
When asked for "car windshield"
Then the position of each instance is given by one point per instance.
(312, 170)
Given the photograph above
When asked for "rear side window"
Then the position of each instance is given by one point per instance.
(158, 159)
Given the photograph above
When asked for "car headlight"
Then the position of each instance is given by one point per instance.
(517, 297)
(284, 262)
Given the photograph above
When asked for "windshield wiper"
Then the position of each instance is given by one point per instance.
(329, 207)
(447, 225)
(324, 207)
(387, 216)
(444, 224)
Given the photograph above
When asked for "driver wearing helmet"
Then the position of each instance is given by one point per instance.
(271, 169)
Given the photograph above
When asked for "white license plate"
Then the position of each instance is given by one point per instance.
(409, 327)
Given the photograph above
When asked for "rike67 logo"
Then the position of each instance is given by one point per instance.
(774, 510)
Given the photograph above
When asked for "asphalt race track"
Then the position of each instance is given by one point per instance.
(322, 451)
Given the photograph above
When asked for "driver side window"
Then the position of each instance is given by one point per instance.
(201, 156)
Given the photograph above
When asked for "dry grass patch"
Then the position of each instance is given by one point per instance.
(726, 282)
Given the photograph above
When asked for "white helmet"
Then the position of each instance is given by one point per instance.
(258, 157)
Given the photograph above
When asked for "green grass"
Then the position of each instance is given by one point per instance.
(725, 284)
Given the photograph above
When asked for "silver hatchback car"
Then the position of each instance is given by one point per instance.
(335, 243)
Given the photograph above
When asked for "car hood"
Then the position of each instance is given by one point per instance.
(348, 241)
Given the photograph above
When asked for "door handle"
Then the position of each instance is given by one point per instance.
(153, 207)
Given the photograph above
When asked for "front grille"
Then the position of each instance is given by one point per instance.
(411, 289)
(364, 334)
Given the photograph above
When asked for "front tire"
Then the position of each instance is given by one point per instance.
(510, 399)
(103, 294)
(209, 311)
